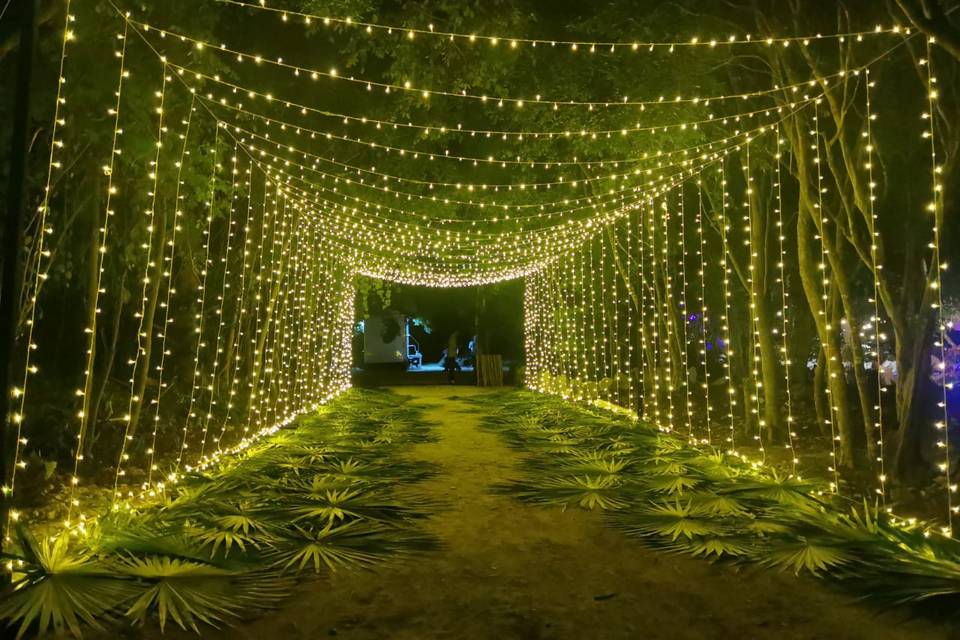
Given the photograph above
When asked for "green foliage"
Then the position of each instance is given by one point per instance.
(589, 492)
(715, 547)
(190, 592)
(806, 555)
(226, 535)
(333, 545)
(673, 520)
(673, 496)
(713, 504)
(323, 495)
(672, 484)
(775, 488)
(59, 587)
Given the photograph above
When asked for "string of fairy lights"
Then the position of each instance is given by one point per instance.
(254, 217)
(832, 359)
(784, 311)
(39, 267)
(307, 73)
(726, 335)
(219, 272)
(142, 315)
(753, 275)
(232, 100)
(231, 96)
(167, 279)
(380, 181)
(667, 309)
(90, 331)
(681, 269)
(411, 33)
(705, 344)
(935, 284)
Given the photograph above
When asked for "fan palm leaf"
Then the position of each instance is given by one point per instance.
(588, 492)
(776, 488)
(596, 463)
(804, 554)
(190, 592)
(333, 546)
(713, 547)
(715, 504)
(342, 504)
(223, 536)
(60, 588)
(671, 520)
(671, 484)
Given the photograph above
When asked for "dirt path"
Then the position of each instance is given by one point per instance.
(514, 571)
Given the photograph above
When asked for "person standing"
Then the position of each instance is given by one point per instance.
(450, 363)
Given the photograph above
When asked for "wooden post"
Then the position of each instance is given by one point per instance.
(490, 370)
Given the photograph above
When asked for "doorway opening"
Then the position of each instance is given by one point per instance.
(414, 335)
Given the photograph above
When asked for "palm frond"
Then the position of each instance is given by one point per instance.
(335, 505)
(60, 588)
(190, 592)
(715, 504)
(671, 484)
(586, 491)
(226, 537)
(805, 555)
(670, 520)
(333, 546)
(775, 488)
(588, 462)
(714, 547)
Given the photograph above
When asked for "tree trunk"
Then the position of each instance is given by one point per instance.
(913, 355)
(99, 389)
(839, 398)
(93, 267)
(149, 315)
(856, 357)
(811, 278)
(819, 392)
(770, 373)
(771, 376)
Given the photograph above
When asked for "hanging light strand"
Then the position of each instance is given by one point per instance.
(234, 363)
(875, 267)
(201, 300)
(212, 387)
(696, 42)
(754, 266)
(704, 313)
(498, 101)
(167, 274)
(86, 389)
(784, 307)
(142, 313)
(39, 274)
(728, 345)
(684, 356)
(644, 409)
(935, 282)
(825, 303)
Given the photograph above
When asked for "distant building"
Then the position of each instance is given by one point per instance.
(387, 340)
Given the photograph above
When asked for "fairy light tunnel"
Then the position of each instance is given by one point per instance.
(655, 284)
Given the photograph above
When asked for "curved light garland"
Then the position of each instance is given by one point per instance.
(499, 101)
(591, 46)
